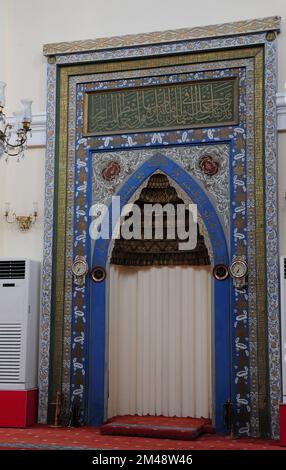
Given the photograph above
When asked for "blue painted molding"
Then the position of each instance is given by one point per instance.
(221, 308)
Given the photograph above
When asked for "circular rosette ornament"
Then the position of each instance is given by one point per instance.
(220, 272)
(110, 171)
(98, 274)
(208, 165)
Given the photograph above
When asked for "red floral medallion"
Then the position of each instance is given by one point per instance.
(208, 165)
(111, 170)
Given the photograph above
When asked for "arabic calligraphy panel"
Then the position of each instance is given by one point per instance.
(176, 106)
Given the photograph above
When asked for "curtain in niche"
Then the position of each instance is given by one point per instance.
(160, 341)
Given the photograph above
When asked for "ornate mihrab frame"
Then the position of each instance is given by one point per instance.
(248, 46)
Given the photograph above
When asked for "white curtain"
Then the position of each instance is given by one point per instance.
(160, 341)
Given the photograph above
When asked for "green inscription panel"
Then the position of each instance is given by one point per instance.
(182, 105)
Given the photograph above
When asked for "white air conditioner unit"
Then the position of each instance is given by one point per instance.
(283, 323)
(19, 323)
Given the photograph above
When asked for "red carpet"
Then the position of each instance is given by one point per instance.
(42, 437)
(161, 427)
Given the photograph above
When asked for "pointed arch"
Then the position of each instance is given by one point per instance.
(221, 300)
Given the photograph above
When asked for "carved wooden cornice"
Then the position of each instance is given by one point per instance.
(268, 24)
(163, 251)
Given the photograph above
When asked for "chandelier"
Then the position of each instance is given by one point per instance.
(13, 142)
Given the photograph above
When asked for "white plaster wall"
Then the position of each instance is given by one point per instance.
(3, 77)
(23, 183)
(29, 24)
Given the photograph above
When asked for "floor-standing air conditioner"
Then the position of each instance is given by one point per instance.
(283, 349)
(283, 321)
(282, 407)
(19, 333)
(19, 323)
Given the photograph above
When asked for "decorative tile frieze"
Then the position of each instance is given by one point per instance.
(184, 34)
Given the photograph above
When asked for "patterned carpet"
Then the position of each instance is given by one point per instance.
(48, 438)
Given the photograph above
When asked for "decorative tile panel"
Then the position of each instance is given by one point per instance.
(243, 217)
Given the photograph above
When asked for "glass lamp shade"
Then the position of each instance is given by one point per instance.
(2, 149)
(18, 120)
(27, 110)
(2, 94)
(7, 207)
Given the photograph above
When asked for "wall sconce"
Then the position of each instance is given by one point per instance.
(24, 222)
